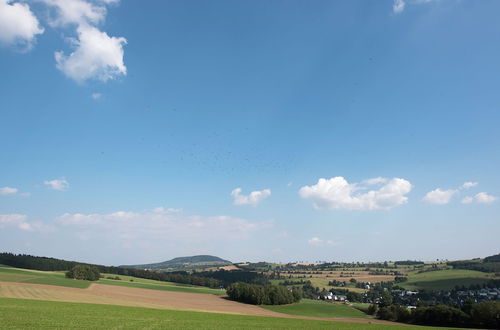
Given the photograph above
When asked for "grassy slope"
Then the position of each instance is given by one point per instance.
(443, 279)
(317, 308)
(9, 274)
(25, 314)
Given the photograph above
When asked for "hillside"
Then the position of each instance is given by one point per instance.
(185, 263)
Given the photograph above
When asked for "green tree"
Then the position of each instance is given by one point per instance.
(84, 272)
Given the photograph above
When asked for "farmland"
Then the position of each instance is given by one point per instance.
(9, 274)
(21, 313)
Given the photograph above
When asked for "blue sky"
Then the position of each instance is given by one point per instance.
(354, 130)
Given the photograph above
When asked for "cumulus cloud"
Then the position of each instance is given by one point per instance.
(398, 6)
(338, 194)
(14, 220)
(439, 196)
(57, 184)
(96, 56)
(442, 197)
(316, 241)
(18, 25)
(160, 223)
(96, 96)
(8, 191)
(254, 198)
(482, 198)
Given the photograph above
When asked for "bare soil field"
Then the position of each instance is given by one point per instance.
(127, 296)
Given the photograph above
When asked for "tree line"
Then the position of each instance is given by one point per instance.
(263, 294)
(481, 315)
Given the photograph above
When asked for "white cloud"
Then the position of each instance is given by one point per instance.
(97, 56)
(161, 223)
(14, 220)
(442, 197)
(13, 191)
(57, 184)
(76, 12)
(8, 191)
(439, 196)
(398, 6)
(254, 198)
(316, 241)
(18, 25)
(482, 198)
(374, 181)
(96, 96)
(468, 185)
(336, 193)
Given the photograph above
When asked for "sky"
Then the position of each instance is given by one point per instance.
(139, 131)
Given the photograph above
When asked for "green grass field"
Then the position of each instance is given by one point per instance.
(318, 308)
(444, 279)
(9, 274)
(39, 314)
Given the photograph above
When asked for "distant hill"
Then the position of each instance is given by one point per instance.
(494, 258)
(185, 263)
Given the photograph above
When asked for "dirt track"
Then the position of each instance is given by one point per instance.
(127, 296)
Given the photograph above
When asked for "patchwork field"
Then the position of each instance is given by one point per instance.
(25, 314)
(359, 275)
(127, 296)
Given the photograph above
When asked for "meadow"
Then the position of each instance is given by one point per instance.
(318, 308)
(26, 314)
(444, 279)
(9, 274)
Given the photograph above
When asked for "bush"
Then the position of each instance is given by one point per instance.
(84, 272)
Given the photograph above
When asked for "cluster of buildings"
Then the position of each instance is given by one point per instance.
(335, 297)
(478, 295)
